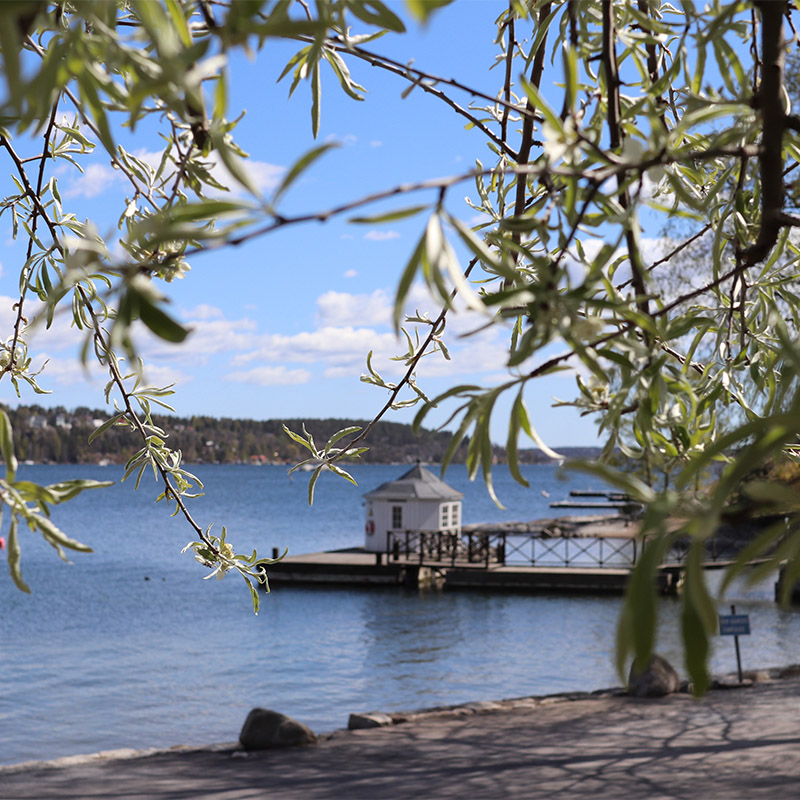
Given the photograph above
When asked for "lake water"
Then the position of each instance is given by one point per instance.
(99, 657)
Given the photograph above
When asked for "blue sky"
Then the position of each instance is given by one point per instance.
(282, 325)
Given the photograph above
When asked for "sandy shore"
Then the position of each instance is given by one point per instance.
(733, 743)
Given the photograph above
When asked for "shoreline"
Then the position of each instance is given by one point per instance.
(393, 719)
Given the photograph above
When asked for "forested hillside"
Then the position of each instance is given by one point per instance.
(59, 435)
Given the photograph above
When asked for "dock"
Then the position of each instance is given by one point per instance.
(572, 554)
(358, 567)
(593, 554)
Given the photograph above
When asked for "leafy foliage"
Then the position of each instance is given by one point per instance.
(605, 114)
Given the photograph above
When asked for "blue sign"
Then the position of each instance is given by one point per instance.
(734, 625)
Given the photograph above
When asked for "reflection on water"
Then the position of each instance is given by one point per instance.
(98, 657)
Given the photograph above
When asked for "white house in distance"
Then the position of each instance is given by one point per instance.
(416, 501)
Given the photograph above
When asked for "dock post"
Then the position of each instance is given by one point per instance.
(501, 550)
(274, 552)
(395, 549)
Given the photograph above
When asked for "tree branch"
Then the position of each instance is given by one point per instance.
(769, 101)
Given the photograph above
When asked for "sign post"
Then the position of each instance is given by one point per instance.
(735, 625)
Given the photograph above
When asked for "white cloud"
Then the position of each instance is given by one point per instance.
(376, 143)
(327, 345)
(270, 376)
(335, 309)
(66, 371)
(204, 312)
(350, 273)
(381, 236)
(156, 375)
(96, 179)
(7, 313)
(266, 176)
(208, 337)
(99, 177)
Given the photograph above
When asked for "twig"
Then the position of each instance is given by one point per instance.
(609, 60)
(111, 362)
(34, 219)
(769, 100)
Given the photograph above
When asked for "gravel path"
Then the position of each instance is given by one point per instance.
(731, 744)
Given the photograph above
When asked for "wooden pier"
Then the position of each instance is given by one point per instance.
(575, 554)
(357, 567)
(569, 554)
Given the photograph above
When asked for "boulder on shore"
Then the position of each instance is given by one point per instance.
(370, 719)
(264, 729)
(657, 679)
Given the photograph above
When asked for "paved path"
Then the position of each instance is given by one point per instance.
(733, 744)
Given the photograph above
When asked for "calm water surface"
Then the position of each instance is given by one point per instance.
(100, 657)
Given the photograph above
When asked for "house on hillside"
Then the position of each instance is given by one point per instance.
(416, 501)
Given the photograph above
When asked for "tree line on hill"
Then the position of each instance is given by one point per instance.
(57, 435)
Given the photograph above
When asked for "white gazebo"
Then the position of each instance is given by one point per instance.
(416, 501)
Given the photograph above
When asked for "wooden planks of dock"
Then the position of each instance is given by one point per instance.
(357, 567)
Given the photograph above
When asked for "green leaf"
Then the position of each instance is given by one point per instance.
(374, 12)
(313, 482)
(298, 168)
(7, 446)
(160, 323)
(698, 617)
(66, 490)
(514, 425)
(340, 435)
(316, 100)
(56, 537)
(406, 279)
(422, 10)
(14, 556)
(104, 427)
(253, 594)
(390, 216)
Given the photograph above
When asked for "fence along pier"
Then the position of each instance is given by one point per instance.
(580, 554)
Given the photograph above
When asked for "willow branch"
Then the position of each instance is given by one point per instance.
(427, 83)
(34, 220)
(526, 140)
(510, 47)
(769, 101)
(104, 347)
(609, 61)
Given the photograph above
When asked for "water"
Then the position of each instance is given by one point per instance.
(100, 657)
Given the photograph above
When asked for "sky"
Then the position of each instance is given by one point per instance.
(281, 326)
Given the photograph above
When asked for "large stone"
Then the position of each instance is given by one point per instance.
(264, 729)
(371, 719)
(656, 680)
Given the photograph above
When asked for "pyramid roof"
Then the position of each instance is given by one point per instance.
(418, 483)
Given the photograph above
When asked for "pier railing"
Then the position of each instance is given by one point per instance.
(441, 548)
(539, 549)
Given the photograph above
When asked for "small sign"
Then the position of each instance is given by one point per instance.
(734, 625)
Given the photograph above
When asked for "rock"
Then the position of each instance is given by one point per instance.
(656, 680)
(264, 729)
(371, 719)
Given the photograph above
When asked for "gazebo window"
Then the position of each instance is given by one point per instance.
(454, 515)
(444, 515)
(397, 517)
